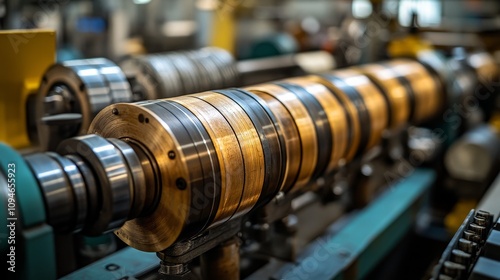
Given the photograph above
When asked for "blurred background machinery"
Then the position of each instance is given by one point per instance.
(255, 139)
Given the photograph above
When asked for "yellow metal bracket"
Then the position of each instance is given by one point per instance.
(24, 57)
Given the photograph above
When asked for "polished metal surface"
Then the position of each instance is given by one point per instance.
(77, 183)
(397, 94)
(426, 89)
(211, 157)
(177, 73)
(371, 100)
(81, 87)
(162, 171)
(304, 125)
(336, 115)
(56, 189)
(474, 156)
(113, 177)
(351, 112)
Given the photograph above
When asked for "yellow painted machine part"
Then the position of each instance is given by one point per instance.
(495, 122)
(24, 57)
(223, 31)
(408, 46)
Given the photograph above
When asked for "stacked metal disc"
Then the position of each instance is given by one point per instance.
(72, 93)
(176, 73)
(413, 92)
(92, 184)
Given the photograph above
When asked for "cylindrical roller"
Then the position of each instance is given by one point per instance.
(370, 103)
(437, 65)
(57, 191)
(190, 79)
(250, 146)
(428, 100)
(152, 77)
(177, 73)
(292, 144)
(204, 167)
(141, 128)
(236, 150)
(321, 124)
(79, 190)
(113, 177)
(271, 139)
(72, 93)
(351, 112)
(336, 115)
(229, 152)
(304, 125)
(474, 155)
(226, 64)
(175, 167)
(396, 93)
(136, 178)
(91, 188)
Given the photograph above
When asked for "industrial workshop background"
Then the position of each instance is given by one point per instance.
(250, 139)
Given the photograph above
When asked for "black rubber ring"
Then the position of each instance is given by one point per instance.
(317, 113)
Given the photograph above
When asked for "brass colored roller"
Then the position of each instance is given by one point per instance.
(142, 128)
(304, 125)
(249, 144)
(336, 115)
(271, 139)
(426, 88)
(373, 101)
(351, 112)
(292, 143)
(397, 94)
(214, 156)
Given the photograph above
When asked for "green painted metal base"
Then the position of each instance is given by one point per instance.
(34, 241)
(355, 250)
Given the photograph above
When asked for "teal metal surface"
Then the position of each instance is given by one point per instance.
(355, 250)
(28, 195)
(34, 240)
(39, 259)
(127, 263)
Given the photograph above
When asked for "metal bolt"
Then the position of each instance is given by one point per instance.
(171, 154)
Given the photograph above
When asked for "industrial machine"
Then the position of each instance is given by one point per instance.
(214, 173)
(249, 140)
